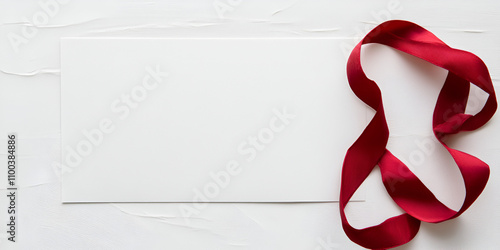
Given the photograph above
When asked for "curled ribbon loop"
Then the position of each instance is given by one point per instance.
(369, 149)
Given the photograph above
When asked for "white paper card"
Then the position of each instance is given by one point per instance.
(210, 120)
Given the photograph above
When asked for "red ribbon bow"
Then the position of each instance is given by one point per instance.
(369, 149)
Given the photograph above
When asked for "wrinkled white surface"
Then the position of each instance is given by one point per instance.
(29, 101)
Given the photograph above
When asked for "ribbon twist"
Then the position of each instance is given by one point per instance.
(369, 149)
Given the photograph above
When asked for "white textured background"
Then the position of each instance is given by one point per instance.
(29, 106)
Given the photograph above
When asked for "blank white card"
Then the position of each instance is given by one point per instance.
(205, 120)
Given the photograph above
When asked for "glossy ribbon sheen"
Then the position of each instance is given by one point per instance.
(369, 149)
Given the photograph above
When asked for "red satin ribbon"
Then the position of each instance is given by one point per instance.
(370, 150)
